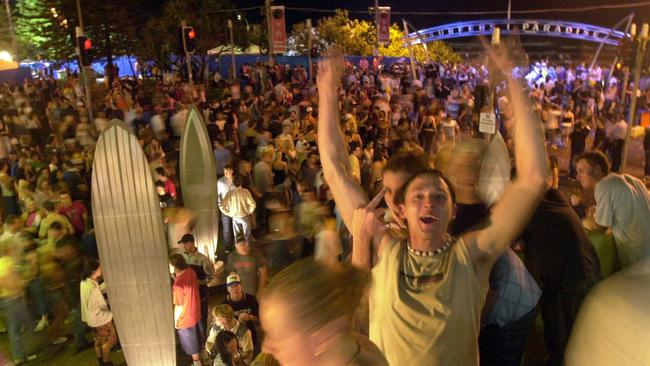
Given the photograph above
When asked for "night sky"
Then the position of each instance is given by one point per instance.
(415, 7)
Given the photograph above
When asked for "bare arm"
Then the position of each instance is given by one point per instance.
(334, 157)
(264, 276)
(513, 211)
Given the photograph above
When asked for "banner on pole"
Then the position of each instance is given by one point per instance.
(383, 25)
(279, 30)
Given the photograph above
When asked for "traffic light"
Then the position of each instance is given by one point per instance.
(188, 39)
(85, 46)
(627, 51)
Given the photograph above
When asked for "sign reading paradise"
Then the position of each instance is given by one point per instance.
(527, 27)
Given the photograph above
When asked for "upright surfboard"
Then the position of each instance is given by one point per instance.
(199, 182)
(132, 248)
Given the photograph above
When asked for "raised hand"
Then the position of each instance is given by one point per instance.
(366, 227)
(330, 69)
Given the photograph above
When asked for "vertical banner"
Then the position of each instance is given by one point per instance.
(278, 29)
(383, 25)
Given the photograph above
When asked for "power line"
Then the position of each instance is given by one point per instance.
(531, 11)
(234, 10)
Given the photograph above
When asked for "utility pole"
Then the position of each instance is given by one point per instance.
(309, 46)
(410, 48)
(376, 12)
(642, 44)
(232, 51)
(509, 12)
(84, 73)
(188, 57)
(269, 28)
(11, 30)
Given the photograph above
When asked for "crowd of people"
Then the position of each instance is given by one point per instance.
(432, 270)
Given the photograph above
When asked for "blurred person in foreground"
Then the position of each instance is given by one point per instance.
(306, 312)
(613, 322)
(429, 289)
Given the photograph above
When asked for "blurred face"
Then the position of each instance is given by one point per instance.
(31, 206)
(227, 173)
(246, 168)
(235, 291)
(427, 207)
(285, 339)
(242, 248)
(232, 346)
(66, 200)
(54, 233)
(98, 272)
(188, 246)
(585, 174)
(160, 191)
(393, 181)
(221, 321)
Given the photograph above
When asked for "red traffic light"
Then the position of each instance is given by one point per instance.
(88, 44)
(191, 34)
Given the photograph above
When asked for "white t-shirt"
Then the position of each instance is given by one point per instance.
(623, 203)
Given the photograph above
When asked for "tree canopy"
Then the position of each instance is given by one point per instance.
(357, 37)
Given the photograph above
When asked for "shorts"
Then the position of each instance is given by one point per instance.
(105, 334)
(190, 338)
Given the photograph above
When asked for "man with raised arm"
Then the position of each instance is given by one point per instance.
(428, 288)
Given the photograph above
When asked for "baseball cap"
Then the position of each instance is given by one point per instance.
(232, 279)
(186, 238)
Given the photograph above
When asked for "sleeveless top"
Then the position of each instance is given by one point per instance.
(426, 310)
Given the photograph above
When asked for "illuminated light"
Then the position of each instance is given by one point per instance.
(53, 10)
(6, 56)
(238, 16)
(540, 27)
(191, 34)
(87, 44)
(618, 65)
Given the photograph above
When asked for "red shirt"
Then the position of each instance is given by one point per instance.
(75, 213)
(170, 188)
(185, 292)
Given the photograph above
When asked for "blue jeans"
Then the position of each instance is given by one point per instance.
(504, 346)
(16, 316)
(36, 294)
(227, 232)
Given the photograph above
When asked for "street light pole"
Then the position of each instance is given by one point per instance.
(84, 74)
(269, 28)
(309, 46)
(232, 51)
(11, 30)
(638, 65)
(188, 58)
(410, 48)
(509, 12)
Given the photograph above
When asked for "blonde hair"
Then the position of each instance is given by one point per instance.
(223, 311)
(318, 293)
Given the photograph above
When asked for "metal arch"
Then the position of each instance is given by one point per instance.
(527, 27)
